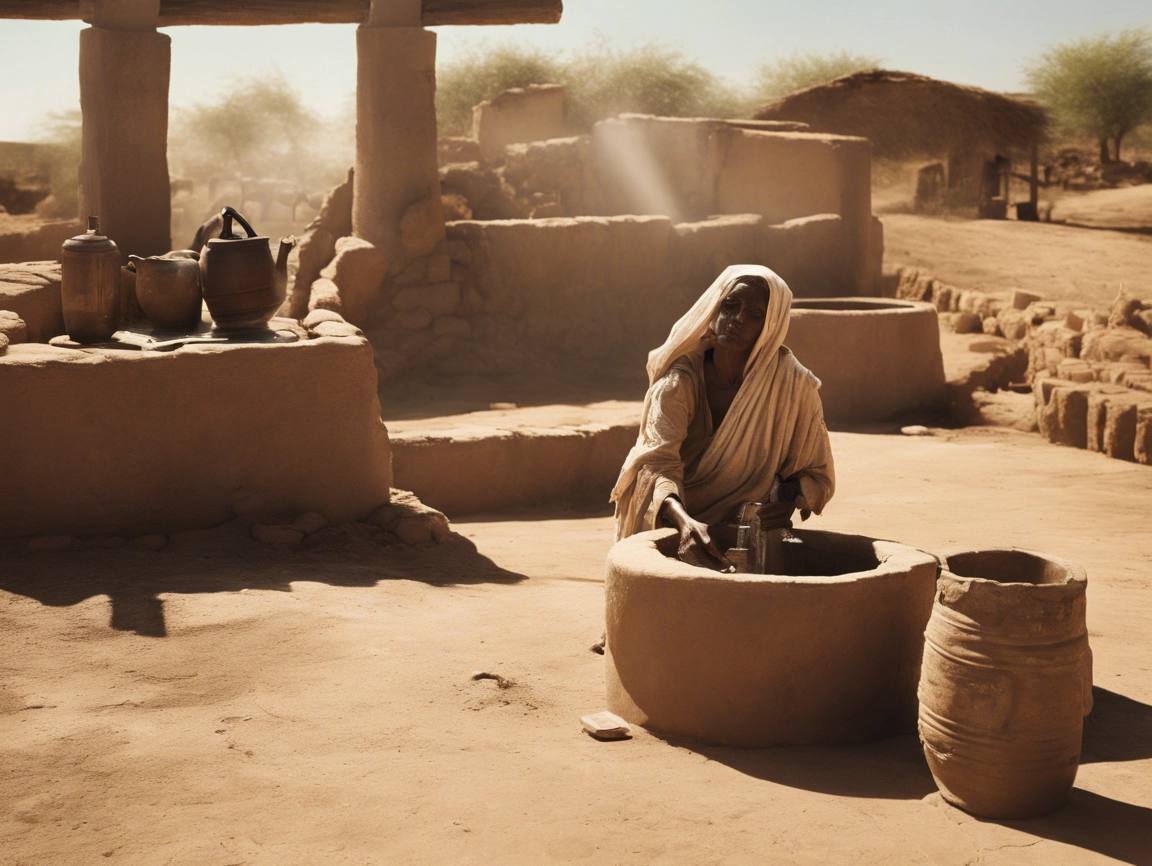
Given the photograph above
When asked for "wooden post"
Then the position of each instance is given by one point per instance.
(1034, 177)
(124, 73)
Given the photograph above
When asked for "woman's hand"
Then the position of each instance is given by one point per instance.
(696, 544)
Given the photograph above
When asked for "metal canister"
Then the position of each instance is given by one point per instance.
(90, 285)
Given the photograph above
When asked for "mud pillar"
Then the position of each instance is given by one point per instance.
(124, 72)
(861, 255)
(396, 189)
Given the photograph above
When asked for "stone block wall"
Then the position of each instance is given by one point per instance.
(499, 293)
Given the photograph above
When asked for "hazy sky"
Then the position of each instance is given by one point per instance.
(979, 42)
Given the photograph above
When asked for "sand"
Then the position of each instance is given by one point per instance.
(1060, 263)
(220, 703)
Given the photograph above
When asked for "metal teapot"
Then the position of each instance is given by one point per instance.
(243, 285)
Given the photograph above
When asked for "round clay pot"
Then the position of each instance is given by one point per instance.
(1006, 682)
(828, 652)
(168, 291)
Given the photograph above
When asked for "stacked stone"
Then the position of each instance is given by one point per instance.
(1092, 380)
(426, 312)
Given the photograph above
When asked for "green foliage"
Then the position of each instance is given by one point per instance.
(482, 74)
(1101, 85)
(62, 137)
(604, 81)
(600, 82)
(777, 78)
(259, 128)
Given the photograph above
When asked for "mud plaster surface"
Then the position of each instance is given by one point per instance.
(318, 708)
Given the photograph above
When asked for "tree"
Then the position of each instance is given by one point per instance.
(778, 78)
(599, 81)
(61, 134)
(1101, 85)
(259, 128)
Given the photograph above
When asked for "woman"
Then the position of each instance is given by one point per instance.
(730, 417)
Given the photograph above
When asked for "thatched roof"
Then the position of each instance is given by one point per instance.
(908, 115)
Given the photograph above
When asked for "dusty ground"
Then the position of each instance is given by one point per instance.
(218, 703)
(1127, 208)
(1058, 262)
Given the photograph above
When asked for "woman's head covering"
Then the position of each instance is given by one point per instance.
(694, 330)
(774, 424)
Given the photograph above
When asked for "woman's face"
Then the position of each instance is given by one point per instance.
(741, 318)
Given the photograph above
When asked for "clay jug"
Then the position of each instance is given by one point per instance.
(243, 285)
(168, 290)
(90, 285)
(1006, 682)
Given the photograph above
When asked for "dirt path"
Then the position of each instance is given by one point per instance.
(1057, 262)
(318, 707)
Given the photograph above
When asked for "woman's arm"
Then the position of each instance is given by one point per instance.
(696, 544)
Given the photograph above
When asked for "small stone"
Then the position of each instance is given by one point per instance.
(1013, 323)
(1041, 312)
(384, 516)
(916, 430)
(277, 535)
(152, 542)
(1124, 310)
(319, 315)
(439, 269)
(439, 298)
(606, 726)
(416, 272)
(48, 543)
(413, 530)
(414, 320)
(337, 329)
(422, 226)
(312, 521)
(451, 326)
(1021, 300)
(1073, 322)
(966, 322)
(325, 295)
(459, 252)
(991, 326)
(13, 328)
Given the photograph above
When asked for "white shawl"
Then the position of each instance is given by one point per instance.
(775, 425)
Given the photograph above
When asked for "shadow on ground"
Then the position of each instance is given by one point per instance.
(1117, 729)
(891, 769)
(414, 396)
(1097, 823)
(225, 559)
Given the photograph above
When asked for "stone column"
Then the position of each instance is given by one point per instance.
(124, 72)
(396, 190)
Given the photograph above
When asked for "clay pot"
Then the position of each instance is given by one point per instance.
(1006, 682)
(243, 285)
(90, 285)
(168, 291)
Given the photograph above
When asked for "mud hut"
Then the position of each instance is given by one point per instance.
(975, 132)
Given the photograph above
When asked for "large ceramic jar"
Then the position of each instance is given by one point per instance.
(1006, 682)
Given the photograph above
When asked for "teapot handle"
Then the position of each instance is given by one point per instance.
(230, 213)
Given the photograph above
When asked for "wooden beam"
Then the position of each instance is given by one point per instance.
(437, 12)
(256, 12)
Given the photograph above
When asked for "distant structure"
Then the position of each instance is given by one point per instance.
(975, 132)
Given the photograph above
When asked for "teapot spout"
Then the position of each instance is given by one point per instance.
(286, 245)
